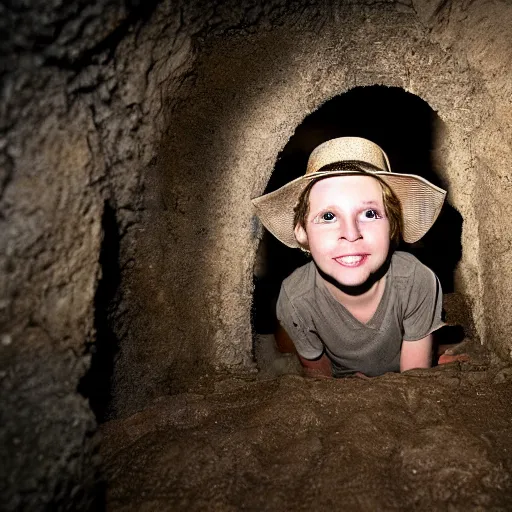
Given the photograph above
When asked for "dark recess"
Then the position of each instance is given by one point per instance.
(405, 127)
(96, 385)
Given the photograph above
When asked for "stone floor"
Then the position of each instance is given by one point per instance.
(438, 439)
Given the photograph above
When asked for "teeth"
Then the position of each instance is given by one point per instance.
(350, 260)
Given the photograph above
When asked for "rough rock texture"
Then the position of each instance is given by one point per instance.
(167, 118)
(51, 232)
(56, 176)
(459, 29)
(437, 440)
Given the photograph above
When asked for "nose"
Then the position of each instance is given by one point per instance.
(349, 230)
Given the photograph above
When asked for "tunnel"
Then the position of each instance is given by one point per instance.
(407, 128)
(137, 279)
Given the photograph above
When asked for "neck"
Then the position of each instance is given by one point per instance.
(360, 299)
(357, 294)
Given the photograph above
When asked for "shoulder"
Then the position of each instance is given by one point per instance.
(299, 282)
(411, 277)
(295, 295)
(405, 265)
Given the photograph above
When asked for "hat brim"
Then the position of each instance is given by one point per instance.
(421, 204)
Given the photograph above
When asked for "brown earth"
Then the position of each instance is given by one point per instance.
(437, 439)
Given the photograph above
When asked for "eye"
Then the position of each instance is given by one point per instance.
(327, 217)
(370, 214)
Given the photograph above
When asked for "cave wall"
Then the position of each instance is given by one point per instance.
(478, 34)
(173, 116)
(250, 87)
(72, 141)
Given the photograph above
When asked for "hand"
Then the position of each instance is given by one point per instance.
(360, 375)
(456, 353)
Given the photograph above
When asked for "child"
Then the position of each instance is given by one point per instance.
(359, 306)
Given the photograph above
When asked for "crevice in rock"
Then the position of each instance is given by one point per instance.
(96, 384)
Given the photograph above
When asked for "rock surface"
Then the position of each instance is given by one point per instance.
(425, 440)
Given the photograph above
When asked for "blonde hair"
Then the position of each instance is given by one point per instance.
(392, 205)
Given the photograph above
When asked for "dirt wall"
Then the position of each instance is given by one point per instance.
(477, 34)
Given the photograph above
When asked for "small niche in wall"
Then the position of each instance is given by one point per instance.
(96, 384)
(407, 129)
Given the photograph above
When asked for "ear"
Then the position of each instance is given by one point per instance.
(301, 236)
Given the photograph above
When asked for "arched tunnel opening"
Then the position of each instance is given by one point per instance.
(409, 131)
(135, 277)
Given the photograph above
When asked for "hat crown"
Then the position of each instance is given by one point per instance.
(347, 148)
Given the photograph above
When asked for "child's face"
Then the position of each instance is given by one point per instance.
(347, 230)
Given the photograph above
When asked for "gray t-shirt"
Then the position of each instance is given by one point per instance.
(409, 310)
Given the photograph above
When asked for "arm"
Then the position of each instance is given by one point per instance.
(283, 341)
(294, 336)
(317, 368)
(416, 354)
(423, 314)
(320, 367)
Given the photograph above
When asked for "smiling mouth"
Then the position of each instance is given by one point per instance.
(352, 260)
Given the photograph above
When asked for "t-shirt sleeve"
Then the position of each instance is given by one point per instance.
(424, 306)
(308, 345)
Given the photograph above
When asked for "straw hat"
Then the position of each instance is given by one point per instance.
(421, 200)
